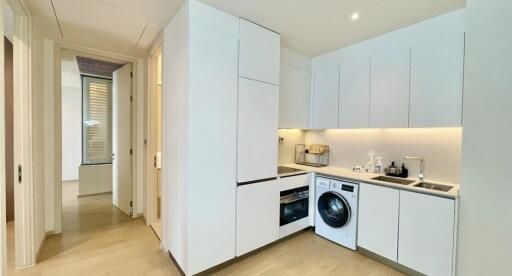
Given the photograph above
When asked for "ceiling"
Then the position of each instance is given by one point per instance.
(311, 27)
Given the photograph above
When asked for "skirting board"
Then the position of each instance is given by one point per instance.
(94, 194)
(46, 234)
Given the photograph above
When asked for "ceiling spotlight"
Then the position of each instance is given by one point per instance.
(354, 16)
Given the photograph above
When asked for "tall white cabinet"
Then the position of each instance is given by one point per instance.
(257, 201)
(199, 111)
(389, 96)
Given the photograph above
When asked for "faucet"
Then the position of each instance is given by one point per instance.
(421, 175)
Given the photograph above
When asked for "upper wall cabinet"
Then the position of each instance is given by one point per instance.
(325, 98)
(389, 96)
(436, 83)
(354, 99)
(294, 95)
(259, 53)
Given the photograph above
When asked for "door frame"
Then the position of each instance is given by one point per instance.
(23, 148)
(53, 127)
(151, 123)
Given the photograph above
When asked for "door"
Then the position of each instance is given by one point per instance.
(334, 209)
(426, 240)
(257, 215)
(325, 98)
(258, 105)
(121, 139)
(354, 102)
(436, 82)
(260, 51)
(378, 209)
(389, 96)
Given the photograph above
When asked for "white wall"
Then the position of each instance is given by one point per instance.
(440, 147)
(71, 117)
(485, 214)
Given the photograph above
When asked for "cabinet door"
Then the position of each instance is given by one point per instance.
(257, 130)
(377, 230)
(426, 233)
(436, 83)
(260, 50)
(354, 102)
(325, 98)
(389, 96)
(257, 215)
(294, 97)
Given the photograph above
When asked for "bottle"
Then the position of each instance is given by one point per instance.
(405, 171)
(393, 170)
(370, 167)
(378, 164)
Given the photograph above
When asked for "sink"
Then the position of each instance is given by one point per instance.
(283, 169)
(433, 186)
(393, 180)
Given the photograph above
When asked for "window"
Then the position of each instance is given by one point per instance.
(96, 120)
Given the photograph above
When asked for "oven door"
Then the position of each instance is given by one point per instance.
(294, 205)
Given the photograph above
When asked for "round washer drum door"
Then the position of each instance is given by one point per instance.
(333, 209)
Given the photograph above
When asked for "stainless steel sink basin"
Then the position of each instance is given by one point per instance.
(433, 186)
(393, 180)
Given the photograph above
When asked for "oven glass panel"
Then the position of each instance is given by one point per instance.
(294, 205)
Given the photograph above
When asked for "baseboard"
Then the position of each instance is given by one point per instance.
(68, 181)
(38, 251)
(390, 263)
(94, 194)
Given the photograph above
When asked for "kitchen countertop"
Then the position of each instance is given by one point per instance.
(366, 178)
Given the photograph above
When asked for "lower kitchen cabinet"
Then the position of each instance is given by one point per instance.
(378, 220)
(257, 215)
(426, 240)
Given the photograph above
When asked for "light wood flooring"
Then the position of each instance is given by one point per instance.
(98, 239)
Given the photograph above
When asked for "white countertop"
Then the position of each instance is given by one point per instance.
(367, 178)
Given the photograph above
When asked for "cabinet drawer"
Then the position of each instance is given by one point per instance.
(295, 181)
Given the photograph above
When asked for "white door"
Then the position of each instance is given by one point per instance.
(355, 94)
(389, 96)
(257, 215)
(377, 230)
(260, 51)
(121, 139)
(325, 98)
(426, 233)
(258, 105)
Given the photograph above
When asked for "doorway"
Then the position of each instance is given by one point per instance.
(155, 141)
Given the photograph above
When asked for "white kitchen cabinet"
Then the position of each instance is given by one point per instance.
(258, 105)
(378, 220)
(426, 241)
(354, 99)
(325, 98)
(257, 215)
(389, 96)
(294, 97)
(260, 50)
(436, 82)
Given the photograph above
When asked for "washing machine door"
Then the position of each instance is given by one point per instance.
(334, 209)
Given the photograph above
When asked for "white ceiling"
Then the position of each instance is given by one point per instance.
(311, 27)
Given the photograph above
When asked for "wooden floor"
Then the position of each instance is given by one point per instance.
(98, 239)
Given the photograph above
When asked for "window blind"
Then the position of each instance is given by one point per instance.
(97, 120)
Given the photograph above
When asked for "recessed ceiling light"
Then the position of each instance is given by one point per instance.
(354, 16)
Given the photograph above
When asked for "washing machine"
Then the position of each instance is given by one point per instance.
(336, 210)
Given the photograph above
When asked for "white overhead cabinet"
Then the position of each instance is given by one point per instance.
(436, 82)
(354, 98)
(389, 96)
(257, 215)
(426, 240)
(294, 97)
(325, 98)
(258, 105)
(259, 53)
(378, 220)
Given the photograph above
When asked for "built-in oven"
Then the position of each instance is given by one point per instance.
(294, 205)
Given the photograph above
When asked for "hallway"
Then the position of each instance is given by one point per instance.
(99, 239)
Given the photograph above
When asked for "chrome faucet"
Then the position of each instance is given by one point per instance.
(421, 175)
